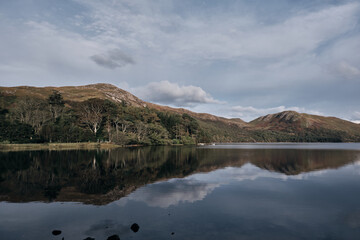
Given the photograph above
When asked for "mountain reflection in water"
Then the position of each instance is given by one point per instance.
(103, 176)
(228, 192)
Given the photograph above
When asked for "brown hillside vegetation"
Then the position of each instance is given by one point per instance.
(109, 92)
(285, 126)
(301, 121)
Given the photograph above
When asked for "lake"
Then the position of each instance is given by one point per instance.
(238, 191)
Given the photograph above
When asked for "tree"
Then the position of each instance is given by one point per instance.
(31, 111)
(92, 114)
(141, 131)
(157, 134)
(14, 131)
(56, 103)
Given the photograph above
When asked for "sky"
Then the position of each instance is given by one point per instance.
(237, 59)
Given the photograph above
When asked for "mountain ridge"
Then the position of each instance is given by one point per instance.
(303, 120)
(282, 126)
(110, 92)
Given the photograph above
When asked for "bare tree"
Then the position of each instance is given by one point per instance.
(31, 111)
(121, 124)
(92, 114)
(141, 130)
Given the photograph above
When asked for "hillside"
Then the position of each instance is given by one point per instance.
(37, 113)
(76, 93)
(105, 91)
(295, 123)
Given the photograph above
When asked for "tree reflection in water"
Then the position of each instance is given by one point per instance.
(102, 176)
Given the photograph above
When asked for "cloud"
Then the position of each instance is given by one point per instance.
(252, 112)
(242, 37)
(251, 55)
(171, 193)
(171, 93)
(161, 29)
(346, 70)
(248, 172)
(112, 59)
(355, 118)
(197, 186)
(107, 228)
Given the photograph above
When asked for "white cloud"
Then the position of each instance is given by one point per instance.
(346, 70)
(228, 39)
(143, 26)
(355, 118)
(240, 57)
(39, 53)
(248, 172)
(172, 93)
(197, 186)
(171, 193)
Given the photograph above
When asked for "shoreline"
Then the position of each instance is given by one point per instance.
(12, 147)
(5, 147)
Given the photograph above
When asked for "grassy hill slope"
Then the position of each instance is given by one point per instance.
(288, 126)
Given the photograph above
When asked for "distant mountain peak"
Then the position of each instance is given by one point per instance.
(285, 116)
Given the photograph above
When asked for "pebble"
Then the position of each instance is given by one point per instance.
(135, 227)
(56, 232)
(113, 237)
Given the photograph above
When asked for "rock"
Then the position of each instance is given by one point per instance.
(135, 227)
(56, 232)
(172, 233)
(89, 238)
(113, 237)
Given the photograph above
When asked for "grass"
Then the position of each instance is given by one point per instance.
(56, 146)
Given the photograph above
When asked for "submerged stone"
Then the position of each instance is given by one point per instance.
(56, 232)
(135, 227)
(113, 237)
(89, 238)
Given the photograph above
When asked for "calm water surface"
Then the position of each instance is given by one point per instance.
(241, 191)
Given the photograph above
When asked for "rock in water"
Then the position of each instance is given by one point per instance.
(56, 232)
(113, 237)
(135, 227)
(89, 238)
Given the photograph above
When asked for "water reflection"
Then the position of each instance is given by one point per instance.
(101, 177)
(196, 187)
(181, 192)
(171, 193)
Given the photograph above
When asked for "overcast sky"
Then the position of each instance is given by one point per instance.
(230, 58)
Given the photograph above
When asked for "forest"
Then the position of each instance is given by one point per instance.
(35, 120)
(48, 118)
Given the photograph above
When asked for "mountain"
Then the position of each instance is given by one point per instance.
(170, 124)
(77, 93)
(301, 121)
(105, 91)
(295, 123)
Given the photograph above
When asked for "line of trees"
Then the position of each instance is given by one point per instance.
(31, 119)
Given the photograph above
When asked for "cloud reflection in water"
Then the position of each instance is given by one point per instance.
(197, 186)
